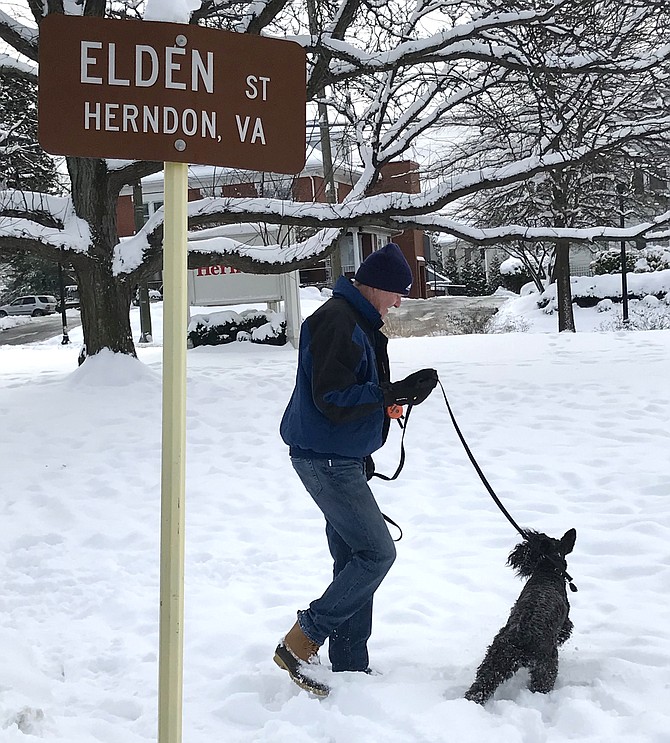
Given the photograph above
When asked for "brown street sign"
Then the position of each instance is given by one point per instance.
(143, 90)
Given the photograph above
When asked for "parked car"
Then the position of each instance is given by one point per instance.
(35, 305)
(71, 299)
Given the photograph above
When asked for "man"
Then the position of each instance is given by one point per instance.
(336, 418)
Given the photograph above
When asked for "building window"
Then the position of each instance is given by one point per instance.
(149, 207)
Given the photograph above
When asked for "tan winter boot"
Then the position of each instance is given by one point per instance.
(294, 654)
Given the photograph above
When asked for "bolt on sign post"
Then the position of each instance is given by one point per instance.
(141, 90)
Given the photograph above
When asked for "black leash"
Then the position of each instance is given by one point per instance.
(524, 534)
(401, 464)
(478, 469)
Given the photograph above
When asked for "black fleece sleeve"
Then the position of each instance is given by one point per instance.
(341, 374)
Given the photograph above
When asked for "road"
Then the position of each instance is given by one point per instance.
(414, 317)
(441, 316)
(38, 329)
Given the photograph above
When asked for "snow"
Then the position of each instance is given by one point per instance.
(511, 266)
(609, 285)
(13, 321)
(571, 431)
(7, 61)
(175, 11)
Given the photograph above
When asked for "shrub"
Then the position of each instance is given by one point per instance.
(644, 260)
(588, 291)
(268, 328)
(653, 258)
(507, 325)
(513, 275)
(642, 315)
(609, 261)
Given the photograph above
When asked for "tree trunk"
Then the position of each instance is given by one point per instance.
(566, 318)
(105, 310)
(105, 299)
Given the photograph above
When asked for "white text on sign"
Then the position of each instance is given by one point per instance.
(148, 66)
(170, 68)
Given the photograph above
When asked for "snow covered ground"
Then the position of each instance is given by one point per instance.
(572, 431)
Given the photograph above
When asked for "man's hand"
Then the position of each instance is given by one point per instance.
(411, 390)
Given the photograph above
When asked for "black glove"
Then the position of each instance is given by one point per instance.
(411, 390)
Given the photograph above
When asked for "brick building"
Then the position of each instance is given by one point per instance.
(309, 186)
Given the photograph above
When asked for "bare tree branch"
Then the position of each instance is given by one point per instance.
(95, 8)
(20, 37)
(132, 173)
(268, 13)
(16, 70)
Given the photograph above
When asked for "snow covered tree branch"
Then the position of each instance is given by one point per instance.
(402, 81)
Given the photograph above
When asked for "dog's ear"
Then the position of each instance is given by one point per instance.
(568, 541)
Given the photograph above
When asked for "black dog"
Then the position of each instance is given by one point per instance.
(538, 622)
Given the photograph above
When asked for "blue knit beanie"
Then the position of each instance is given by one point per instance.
(386, 269)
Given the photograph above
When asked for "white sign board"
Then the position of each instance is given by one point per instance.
(222, 285)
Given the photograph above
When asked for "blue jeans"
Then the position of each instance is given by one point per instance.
(362, 551)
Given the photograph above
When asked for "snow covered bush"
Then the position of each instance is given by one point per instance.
(226, 327)
(588, 291)
(547, 303)
(528, 289)
(514, 275)
(653, 258)
(609, 261)
(507, 324)
(645, 314)
(644, 260)
(650, 301)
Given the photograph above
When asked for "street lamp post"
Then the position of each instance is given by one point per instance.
(143, 289)
(66, 337)
(624, 282)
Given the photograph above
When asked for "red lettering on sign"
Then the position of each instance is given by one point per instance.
(216, 270)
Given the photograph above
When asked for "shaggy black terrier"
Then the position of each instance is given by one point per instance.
(538, 622)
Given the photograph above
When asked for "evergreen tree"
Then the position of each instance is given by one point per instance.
(24, 165)
(473, 276)
(451, 270)
(494, 278)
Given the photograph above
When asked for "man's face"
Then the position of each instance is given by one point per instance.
(382, 301)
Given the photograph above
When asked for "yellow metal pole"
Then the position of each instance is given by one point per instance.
(173, 470)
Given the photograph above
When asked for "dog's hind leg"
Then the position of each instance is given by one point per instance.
(500, 663)
(543, 672)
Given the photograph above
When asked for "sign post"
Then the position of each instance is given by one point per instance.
(173, 469)
(177, 93)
